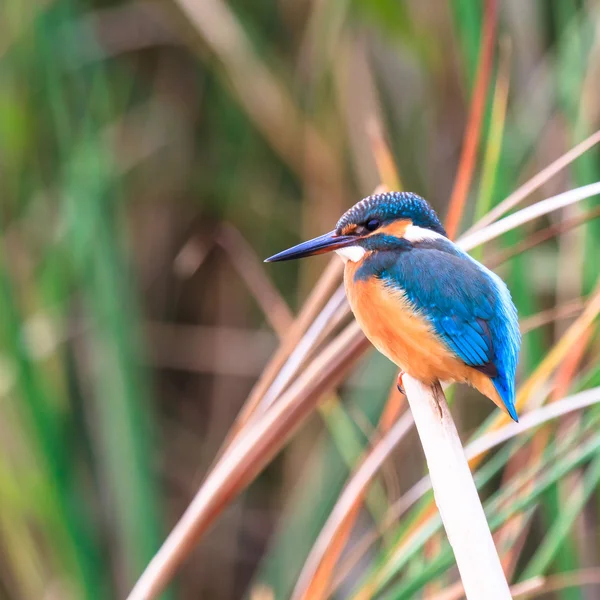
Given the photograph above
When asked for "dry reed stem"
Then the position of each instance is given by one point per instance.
(556, 313)
(535, 182)
(456, 495)
(529, 213)
(536, 586)
(543, 235)
(456, 591)
(386, 166)
(358, 96)
(539, 586)
(249, 267)
(335, 310)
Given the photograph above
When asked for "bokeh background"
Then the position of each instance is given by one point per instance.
(151, 153)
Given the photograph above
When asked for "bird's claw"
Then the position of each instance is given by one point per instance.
(399, 383)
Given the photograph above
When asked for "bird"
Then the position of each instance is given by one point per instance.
(428, 306)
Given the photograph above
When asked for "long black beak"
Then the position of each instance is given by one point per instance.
(324, 243)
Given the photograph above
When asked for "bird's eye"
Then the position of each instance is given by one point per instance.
(372, 224)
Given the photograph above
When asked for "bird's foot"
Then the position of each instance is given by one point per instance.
(399, 384)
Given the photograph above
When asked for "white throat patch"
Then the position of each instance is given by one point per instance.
(352, 253)
(418, 234)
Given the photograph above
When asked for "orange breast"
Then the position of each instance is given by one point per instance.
(406, 337)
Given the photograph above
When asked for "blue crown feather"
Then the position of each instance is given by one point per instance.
(391, 206)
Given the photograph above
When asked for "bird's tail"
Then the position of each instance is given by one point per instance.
(506, 391)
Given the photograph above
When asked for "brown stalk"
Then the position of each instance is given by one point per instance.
(249, 267)
(556, 313)
(386, 165)
(468, 156)
(541, 236)
(537, 181)
(357, 96)
(539, 586)
(519, 590)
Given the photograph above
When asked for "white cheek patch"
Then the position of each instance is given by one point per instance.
(418, 234)
(352, 253)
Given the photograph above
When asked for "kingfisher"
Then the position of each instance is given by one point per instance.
(432, 309)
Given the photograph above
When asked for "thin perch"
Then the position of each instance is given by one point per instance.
(456, 495)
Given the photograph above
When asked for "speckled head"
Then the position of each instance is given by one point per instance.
(382, 222)
(380, 210)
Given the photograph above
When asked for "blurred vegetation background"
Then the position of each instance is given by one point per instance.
(150, 154)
